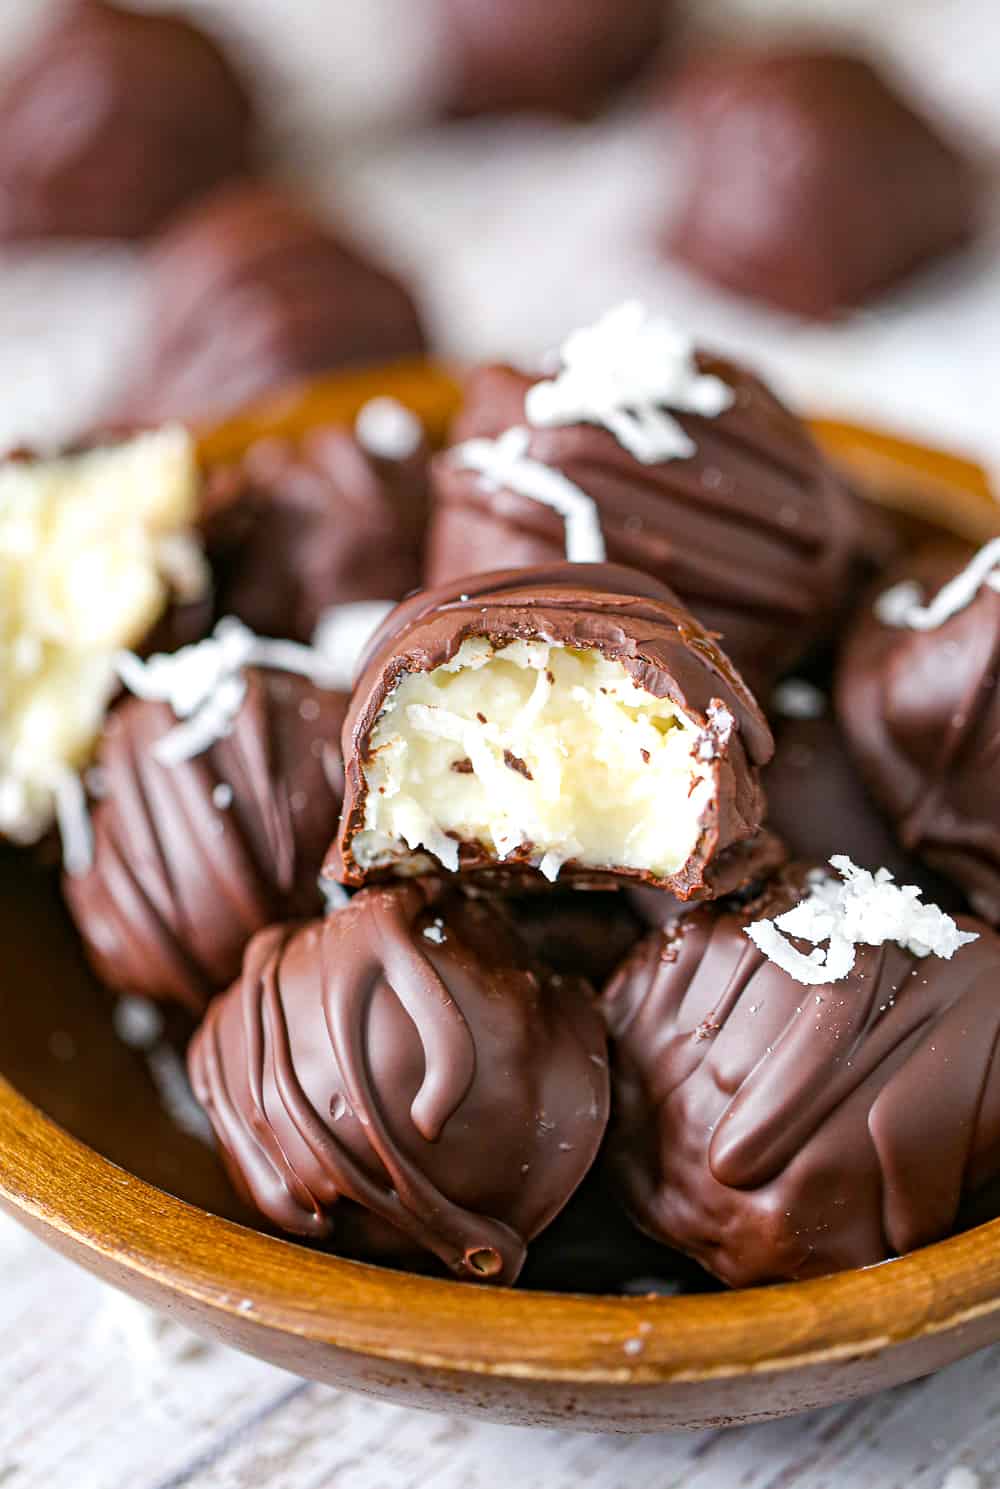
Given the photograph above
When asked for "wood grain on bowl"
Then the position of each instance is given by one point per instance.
(91, 1163)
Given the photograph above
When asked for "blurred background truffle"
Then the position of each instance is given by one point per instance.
(113, 120)
(811, 182)
(248, 291)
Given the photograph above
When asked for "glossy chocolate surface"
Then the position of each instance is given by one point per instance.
(775, 1131)
(406, 1055)
(249, 291)
(921, 712)
(811, 181)
(755, 531)
(627, 617)
(113, 121)
(191, 859)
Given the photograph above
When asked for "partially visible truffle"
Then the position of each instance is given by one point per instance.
(581, 933)
(405, 1056)
(811, 182)
(775, 1130)
(555, 57)
(114, 120)
(750, 525)
(569, 721)
(333, 518)
(918, 701)
(192, 856)
(249, 291)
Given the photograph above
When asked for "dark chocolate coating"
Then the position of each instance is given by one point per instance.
(921, 713)
(113, 121)
(179, 884)
(628, 617)
(555, 57)
(818, 805)
(249, 291)
(440, 1081)
(811, 182)
(776, 1131)
(311, 523)
(755, 531)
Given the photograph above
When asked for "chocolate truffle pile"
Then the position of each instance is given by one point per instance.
(508, 931)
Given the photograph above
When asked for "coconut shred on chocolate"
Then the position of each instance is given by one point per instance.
(642, 449)
(569, 721)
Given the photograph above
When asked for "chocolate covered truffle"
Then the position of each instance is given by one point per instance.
(334, 518)
(218, 792)
(249, 291)
(405, 1057)
(568, 721)
(918, 700)
(818, 1094)
(114, 120)
(811, 182)
(558, 57)
(663, 458)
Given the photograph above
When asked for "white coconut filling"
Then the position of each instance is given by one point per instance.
(91, 548)
(539, 745)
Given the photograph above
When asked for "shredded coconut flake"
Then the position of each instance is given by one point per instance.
(863, 910)
(341, 635)
(903, 606)
(504, 462)
(386, 429)
(205, 686)
(797, 699)
(624, 373)
(73, 821)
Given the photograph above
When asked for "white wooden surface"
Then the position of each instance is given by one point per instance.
(514, 232)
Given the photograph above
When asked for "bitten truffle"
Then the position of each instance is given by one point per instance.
(811, 183)
(113, 121)
(249, 291)
(568, 720)
(334, 518)
(677, 463)
(918, 700)
(195, 849)
(405, 1056)
(558, 57)
(776, 1128)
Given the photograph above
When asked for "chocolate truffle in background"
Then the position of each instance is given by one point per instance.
(371, 1059)
(748, 866)
(249, 291)
(811, 182)
(98, 552)
(734, 506)
(817, 802)
(780, 1119)
(113, 121)
(335, 517)
(918, 701)
(570, 721)
(558, 57)
(207, 827)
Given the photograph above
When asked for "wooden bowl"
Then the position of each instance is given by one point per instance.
(91, 1161)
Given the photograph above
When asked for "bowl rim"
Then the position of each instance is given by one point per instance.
(156, 1244)
(152, 1238)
